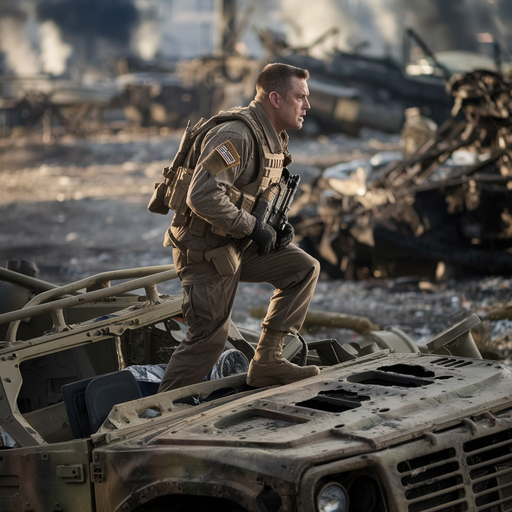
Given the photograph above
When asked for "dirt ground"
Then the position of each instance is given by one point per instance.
(77, 207)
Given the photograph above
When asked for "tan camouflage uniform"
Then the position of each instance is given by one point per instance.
(229, 155)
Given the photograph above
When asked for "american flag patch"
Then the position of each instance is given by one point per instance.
(223, 157)
(226, 154)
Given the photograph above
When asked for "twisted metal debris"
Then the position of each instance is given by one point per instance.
(445, 207)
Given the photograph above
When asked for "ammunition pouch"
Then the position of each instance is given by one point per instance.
(157, 201)
(196, 225)
(226, 259)
(171, 194)
(176, 197)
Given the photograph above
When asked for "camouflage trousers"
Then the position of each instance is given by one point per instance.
(207, 308)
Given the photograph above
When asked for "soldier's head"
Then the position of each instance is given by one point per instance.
(283, 92)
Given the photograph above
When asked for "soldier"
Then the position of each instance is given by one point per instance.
(212, 249)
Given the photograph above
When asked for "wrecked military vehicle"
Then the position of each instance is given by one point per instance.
(351, 90)
(385, 427)
(444, 203)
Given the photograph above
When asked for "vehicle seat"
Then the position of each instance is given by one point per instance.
(88, 402)
(104, 392)
(74, 401)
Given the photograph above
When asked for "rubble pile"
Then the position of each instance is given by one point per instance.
(442, 209)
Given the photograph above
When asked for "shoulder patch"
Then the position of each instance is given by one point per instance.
(221, 158)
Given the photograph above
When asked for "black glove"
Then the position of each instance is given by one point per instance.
(285, 236)
(265, 236)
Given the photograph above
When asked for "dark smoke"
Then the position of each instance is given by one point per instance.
(7, 10)
(108, 19)
(504, 10)
(444, 24)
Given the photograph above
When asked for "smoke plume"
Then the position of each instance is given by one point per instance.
(15, 43)
(81, 28)
(112, 20)
(54, 52)
(386, 18)
(442, 24)
(147, 39)
(97, 30)
(304, 25)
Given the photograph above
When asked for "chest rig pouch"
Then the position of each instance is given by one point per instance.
(171, 193)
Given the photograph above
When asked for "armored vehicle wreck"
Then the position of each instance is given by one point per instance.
(445, 201)
(385, 428)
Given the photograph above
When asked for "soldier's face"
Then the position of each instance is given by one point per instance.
(294, 105)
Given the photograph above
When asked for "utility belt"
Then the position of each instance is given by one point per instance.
(226, 258)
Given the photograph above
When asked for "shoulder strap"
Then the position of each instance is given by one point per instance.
(203, 126)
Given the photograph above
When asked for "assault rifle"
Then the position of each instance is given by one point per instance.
(274, 204)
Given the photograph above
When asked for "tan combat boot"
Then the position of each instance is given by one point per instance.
(268, 367)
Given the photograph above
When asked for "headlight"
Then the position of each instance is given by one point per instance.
(332, 498)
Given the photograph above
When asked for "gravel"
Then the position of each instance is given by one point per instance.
(77, 207)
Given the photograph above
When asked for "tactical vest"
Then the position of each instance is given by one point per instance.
(171, 194)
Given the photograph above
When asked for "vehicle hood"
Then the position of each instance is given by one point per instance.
(367, 404)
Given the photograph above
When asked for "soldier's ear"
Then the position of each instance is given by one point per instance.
(274, 99)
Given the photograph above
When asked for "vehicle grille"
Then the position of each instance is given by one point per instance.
(489, 461)
(474, 476)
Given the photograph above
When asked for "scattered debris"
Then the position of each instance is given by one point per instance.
(314, 318)
(500, 312)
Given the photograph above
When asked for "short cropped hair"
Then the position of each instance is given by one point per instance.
(277, 77)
